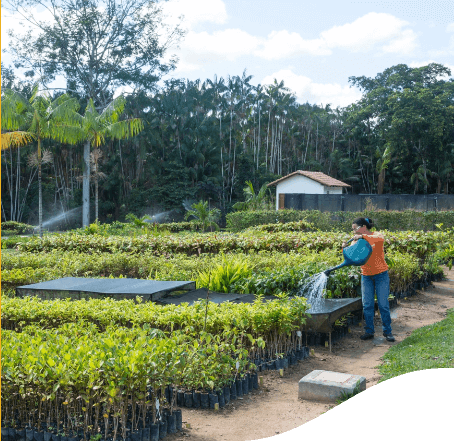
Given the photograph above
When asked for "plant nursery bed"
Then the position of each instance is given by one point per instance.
(275, 408)
(77, 288)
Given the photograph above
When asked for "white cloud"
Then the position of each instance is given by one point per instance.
(283, 44)
(195, 12)
(306, 89)
(201, 47)
(372, 31)
(369, 31)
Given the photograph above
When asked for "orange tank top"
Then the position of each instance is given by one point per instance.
(376, 263)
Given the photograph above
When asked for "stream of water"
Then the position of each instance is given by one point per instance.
(65, 216)
(314, 290)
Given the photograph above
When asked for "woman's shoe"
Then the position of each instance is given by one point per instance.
(366, 336)
(389, 337)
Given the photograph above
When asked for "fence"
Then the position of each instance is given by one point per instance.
(359, 202)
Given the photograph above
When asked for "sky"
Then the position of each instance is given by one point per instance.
(314, 46)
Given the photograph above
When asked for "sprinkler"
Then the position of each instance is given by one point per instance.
(356, 255)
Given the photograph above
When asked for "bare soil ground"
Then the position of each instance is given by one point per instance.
(275, 407)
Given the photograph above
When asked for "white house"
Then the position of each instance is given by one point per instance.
(307, 182)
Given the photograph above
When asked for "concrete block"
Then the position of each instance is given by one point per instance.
(322, 385)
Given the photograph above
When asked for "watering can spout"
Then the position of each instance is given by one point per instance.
(330, 270)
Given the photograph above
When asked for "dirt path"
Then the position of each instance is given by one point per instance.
(275, 407)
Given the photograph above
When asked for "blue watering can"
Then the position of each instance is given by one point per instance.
(356, 255)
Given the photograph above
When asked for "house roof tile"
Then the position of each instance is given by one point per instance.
(319, 177)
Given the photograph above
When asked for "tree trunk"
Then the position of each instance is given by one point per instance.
(381, 181)
(40, 192)
(86, 186)
(96, 199)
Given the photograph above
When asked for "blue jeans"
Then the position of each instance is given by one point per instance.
(377, 284)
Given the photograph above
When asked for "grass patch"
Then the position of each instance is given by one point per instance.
(430, 347)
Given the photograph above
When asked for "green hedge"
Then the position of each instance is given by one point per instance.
(11, 228)
(342, 220)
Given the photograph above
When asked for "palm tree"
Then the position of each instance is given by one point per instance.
(42, 118)
(253, 201)
(205, 216)
(95, 128)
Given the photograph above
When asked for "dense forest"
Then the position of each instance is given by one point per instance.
(205, 139)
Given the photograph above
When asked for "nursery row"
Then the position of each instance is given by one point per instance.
(273, 322)
(252, 273)
(417, 243)
(76, 379)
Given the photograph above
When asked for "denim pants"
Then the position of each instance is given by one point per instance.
(377, 284)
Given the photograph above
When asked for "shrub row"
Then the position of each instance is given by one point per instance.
(270, 321)
(13, 228)
(342, 220)
(417, 243)
(253, 273)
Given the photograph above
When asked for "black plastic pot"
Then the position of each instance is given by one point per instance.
(12, 434)
(154, 432)
(271, 365)
(188, 399)
(239, 388)
(300, 354)
(245, 382)
(64, 438)
(162, 428)
(285, 363)
(204, 401)
(20, 435)
(293, 359)
(5, 434)
(264, 366)
(233, 395)
(227, 394)
(135, 436)
(29, 434)
(146, 433)
(73, 438)
(180, 398)
(213, 399)
(255, 380)
(196, 399)
(221, 398)
(171, 423)
(178, 419)
(167, 393)
(250, 385)
(279, 362)
(47, 436)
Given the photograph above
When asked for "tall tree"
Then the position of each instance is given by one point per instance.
(94, 129)
(97, 45)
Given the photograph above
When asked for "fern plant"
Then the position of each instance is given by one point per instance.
(223, 276)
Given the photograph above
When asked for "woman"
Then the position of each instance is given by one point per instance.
(374, 279)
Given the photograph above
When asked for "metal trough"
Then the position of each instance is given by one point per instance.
(328, 311)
